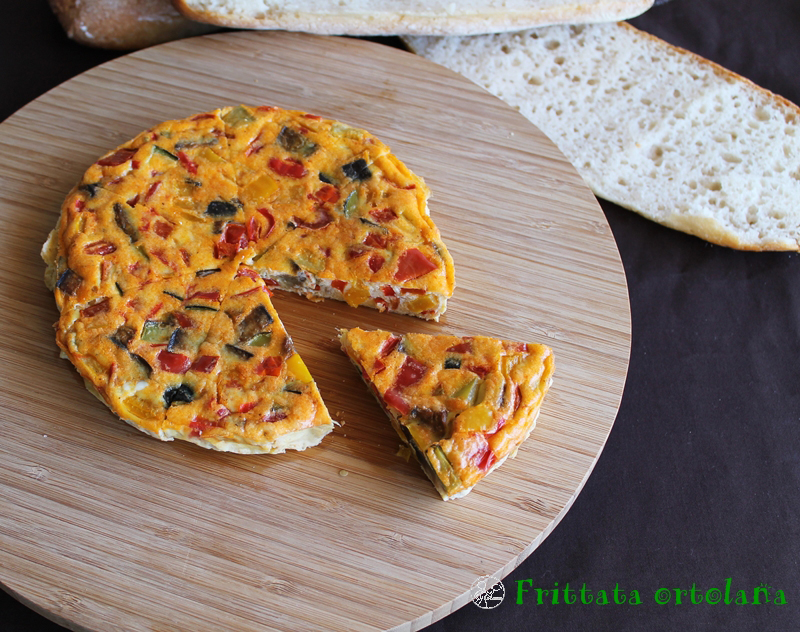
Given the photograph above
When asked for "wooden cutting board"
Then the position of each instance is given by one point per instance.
(102, 527)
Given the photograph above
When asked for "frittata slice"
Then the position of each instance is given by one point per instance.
(463, 405)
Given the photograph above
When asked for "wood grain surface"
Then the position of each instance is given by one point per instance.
(102, 527)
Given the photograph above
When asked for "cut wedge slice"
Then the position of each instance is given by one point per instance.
(463, 405)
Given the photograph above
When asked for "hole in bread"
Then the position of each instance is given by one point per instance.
(676, 93)
(534, 36)
(505, 49)
(777, 214)
(576, 30)
(535, 81)
(646, 102)
(762, 114)
(731, 158)
(559, 60)
(714, 185)
(692, 185)
(622, 182)
(593, 82)
(552, 44)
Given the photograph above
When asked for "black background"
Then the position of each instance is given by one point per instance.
(700, 479)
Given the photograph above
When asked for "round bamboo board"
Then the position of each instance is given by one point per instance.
(102, 527)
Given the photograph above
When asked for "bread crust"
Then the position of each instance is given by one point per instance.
(339, 20)
(124, 24)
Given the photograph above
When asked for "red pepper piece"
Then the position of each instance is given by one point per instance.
(162, 229)
(339, 285)
(97, 308)
(253, 229)
(248, 406)
(461, 347)
(356, 251)
(234, 239)
(378, 366)
(376, 262)
(410, 373)
(187, 162)
(199, 425)
(383, 215)
(328, 193)
(99, 248)
(273, 416)
(209, 296)
(515, 347)
(389, 346)
(270, 220)
(270, 366)
(151, 314)
(117, 158)
(412, 265)
(480, 371)
(182, 319)
(393, 399)
(185, 256)
(247, 272)
(388, 290)
(151, 190)
(323, 219)
(173, 362)
(485, 459)
(290, 168)
(375, 240)
(204, 364)
(201, 117)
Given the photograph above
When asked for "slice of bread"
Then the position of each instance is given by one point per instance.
(416, 17)
(651, 127)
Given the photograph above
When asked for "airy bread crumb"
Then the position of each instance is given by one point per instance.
(649, 126)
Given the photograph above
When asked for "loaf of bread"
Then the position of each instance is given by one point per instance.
(651, 127)
(124, 24)
(395, 17)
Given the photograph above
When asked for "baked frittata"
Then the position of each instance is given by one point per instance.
(463, 405)
(164, 254)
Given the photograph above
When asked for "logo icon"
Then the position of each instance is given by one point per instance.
(487, 592)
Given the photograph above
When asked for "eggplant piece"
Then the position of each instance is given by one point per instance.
(90, 188)
(176, 340)
(173, 295)
(239, 353)
(123, 336)
(436, 420)
(143, 364)
(205, 273)
(220, 208)
(357, 170)
(452, 363)
(69, 282)
(181, 394)
(201, 308)
(123, 220)
(296, 142)
(325, 178)
(119, 289)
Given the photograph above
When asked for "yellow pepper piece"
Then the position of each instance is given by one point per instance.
(356, 295)
(475, 419)
(422, 303)
(209, 155)
(261, 188)
(298, 369)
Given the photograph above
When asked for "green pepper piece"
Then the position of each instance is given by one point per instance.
(163, 152)
(260, 340)
(445, 471)
(155, 331)
(238, 116)
(350, 204)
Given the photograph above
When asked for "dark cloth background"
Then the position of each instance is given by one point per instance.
(700, 479)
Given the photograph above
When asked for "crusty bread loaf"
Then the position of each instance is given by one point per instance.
(652, 127)
(394, 17)
(124, 24)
